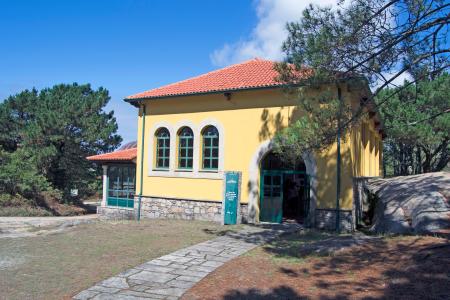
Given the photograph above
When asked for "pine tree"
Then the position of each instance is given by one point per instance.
(57, 128)
(417, 123)
(360, 42)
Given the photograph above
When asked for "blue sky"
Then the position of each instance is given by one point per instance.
(129, 46)
(126, 46)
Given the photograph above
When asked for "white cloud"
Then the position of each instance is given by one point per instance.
(267, 37)
(398, 81)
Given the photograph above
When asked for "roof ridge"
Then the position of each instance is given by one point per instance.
(205, 74)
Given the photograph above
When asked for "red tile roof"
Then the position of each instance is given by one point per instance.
(255, 73)
(119, 155)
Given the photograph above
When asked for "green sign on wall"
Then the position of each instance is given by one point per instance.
(231, 197)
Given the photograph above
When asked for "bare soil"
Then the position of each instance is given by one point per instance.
(409, 267)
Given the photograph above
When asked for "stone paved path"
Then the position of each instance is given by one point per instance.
(169, 276)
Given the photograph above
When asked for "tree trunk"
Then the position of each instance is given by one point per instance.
(418, 160)
(426, 166)
(442, 152)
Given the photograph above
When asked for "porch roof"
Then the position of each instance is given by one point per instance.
(126, 155)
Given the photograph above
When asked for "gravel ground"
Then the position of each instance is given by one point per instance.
(17, 227)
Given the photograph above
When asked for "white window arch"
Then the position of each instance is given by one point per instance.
(221, 143)
(210, 148)
(162, 149)
(185, 148)
(197, 170)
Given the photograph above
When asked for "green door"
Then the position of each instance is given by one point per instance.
(231, 197)
(271, 203)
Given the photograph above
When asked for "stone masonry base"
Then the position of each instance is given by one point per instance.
(115, 213)
(166, 208)
(326, 219)
(183, 209)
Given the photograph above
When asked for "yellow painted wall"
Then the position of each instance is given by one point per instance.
(366, 149)
(248, 119)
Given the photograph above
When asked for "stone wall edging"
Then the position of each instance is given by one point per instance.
(167, 208)
(115, 213)
(326, 219)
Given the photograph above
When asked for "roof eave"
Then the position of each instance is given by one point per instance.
(134, 101)
(111, 160)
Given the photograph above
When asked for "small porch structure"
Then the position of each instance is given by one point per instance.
(119, 176)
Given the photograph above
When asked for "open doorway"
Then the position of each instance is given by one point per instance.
(284, 192)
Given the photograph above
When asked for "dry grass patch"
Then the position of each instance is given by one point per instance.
(57, 266)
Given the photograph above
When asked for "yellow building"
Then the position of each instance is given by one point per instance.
(206, 141)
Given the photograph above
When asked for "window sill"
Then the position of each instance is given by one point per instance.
(208, 171)
(181, 173)
(161, 169)
(119, 207)
(184, 170)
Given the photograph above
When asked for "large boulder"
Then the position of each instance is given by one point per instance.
(416, 204)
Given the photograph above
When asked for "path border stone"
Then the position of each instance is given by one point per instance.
(171, 275)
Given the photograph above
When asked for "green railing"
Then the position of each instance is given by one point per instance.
(121, 186)
(120, 198)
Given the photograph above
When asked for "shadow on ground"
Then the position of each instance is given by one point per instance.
(319, 265)
(283, 292)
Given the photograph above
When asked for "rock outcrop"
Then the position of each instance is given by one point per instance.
(417, 204)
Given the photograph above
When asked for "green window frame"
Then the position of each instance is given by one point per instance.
(185, 149)
(210, 159)
(121, 185)
(162, 148)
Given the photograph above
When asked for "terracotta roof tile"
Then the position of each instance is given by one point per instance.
(255, 73)
(120, 155)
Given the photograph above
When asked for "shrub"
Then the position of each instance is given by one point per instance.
(19, 175)
(24, 211)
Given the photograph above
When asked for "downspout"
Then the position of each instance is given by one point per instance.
(338, 171)
(141, 167)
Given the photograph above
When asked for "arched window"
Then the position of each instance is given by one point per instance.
(185, 148)
(210, 148)
(162, 148)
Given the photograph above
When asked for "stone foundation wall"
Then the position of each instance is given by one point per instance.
(166, 208)
(184, 209)
(116, 213)
(163, 208)
(244, 214)
(326, 219)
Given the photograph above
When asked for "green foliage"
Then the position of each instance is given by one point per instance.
(19, 175)
(315, 129)
(10, 200)
(313, 61)
(417, 122)
(360, 42)
(23, 211)
(374, 39)
(47, 135)
(19, 206)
